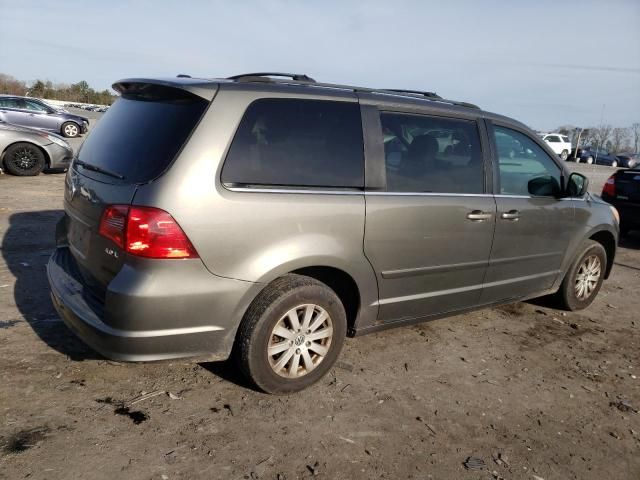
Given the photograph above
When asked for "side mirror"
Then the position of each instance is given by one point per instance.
(577, 185)
(543, 187)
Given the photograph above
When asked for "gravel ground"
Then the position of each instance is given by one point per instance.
(528, 391)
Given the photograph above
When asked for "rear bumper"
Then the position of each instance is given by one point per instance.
(629, 213)
(126, 328)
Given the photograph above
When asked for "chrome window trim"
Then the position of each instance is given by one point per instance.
(381, 194)
(428, 194)
(294, 190)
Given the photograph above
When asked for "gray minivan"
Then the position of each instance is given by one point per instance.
(268, 216)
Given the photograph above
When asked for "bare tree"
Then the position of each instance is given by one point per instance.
(598, 137)
(635, 130)
(11, 85)
(619, 139)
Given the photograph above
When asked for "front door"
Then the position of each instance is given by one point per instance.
(533, 225)
(428, 234)
(39, 116)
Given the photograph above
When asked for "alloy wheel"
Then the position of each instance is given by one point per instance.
(300, 340)
(71, 130)
(24, 159)
(587, 277)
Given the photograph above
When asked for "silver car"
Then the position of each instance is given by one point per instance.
(26, 151)
(271, 216)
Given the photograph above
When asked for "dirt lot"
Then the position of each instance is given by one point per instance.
(532, 392)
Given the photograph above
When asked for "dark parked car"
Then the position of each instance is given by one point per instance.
(593, 155)
(628, 160)
(26, 151)
(622, 190)
(31, 112)
(265, 215)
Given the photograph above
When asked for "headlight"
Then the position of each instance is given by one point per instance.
(58, 141)
(616, 215)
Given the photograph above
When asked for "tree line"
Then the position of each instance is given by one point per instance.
(79, 92)
(606, 137)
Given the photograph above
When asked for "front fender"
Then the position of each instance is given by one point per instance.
(589, 232)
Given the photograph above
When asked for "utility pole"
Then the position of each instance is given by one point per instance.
(575, 152)
(601, 125)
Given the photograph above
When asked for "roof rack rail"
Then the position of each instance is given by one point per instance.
(183, 75)
(264, 77)
(304, 80)
(415, 92)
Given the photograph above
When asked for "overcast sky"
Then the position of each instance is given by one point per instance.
(546, 63)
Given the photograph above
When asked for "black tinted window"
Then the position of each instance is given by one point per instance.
(521, 160)
(142, 132)
(308, 143)
(432, 154)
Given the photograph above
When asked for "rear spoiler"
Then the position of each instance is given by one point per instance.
(201, 88)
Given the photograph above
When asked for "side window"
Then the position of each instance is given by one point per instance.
(35, 106)
(431, 154)
(552, 139)
(8, 103)
(291, 142)
(520, 161)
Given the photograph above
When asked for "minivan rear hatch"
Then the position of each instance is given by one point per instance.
(133, 143)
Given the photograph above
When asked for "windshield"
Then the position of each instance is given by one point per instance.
(141, 133)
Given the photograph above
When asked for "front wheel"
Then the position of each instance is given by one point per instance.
(564, 155)
(24, 159)
(291, 334)
(70, 129)
(584, 278)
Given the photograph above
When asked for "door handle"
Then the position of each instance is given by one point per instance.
(512, 215)
(478, 216)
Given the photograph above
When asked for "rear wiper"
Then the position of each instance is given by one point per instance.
(95, 168)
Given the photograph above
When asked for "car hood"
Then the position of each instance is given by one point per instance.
(76, 118)
(19, 128)
(31, 131)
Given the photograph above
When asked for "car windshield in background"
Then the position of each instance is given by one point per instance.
(141, 133)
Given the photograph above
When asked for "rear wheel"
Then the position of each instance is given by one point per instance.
(291, 334)
(564, 155)
(589, 160)
(70, 129)
(584, 278)
(24, 159)
(614, 164)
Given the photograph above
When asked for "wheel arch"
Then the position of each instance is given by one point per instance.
(608, 241)
(342, 284)
(47, 159)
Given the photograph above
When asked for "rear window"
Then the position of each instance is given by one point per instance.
(291, 142)
(142, 132)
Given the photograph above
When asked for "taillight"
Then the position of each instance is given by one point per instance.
(113, 222)
(610, 186)
(145, 232)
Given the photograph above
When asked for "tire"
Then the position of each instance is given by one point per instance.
(24, 159)
(589, 160)
(70, 129)
(564, 155)
(307, 300)
(569, 293)
(614, 164)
